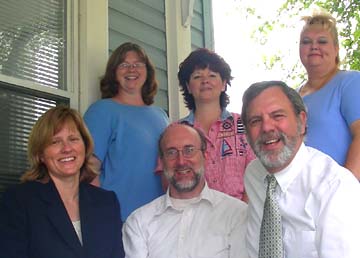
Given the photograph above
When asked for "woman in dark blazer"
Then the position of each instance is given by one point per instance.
(55, 212)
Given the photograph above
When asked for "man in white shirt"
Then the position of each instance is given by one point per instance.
(318, 199)
(190, 220)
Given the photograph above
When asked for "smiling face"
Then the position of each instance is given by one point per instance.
(132, 78)
(318, 49)
(65, 154)
(185, 175)
(273, 130)
(206, 85)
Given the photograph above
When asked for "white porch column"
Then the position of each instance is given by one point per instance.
(178, 30)
(93, 49)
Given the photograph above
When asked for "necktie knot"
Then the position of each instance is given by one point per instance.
(271, 179)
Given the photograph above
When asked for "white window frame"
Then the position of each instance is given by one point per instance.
(72, 90)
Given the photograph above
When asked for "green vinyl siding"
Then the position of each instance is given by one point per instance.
(202, 25)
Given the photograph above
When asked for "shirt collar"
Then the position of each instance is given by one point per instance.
(287, 175)
(190, 119)
(205, 195)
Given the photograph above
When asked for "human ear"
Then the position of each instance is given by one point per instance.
(224, 86)
(188, 88)
(303, 119)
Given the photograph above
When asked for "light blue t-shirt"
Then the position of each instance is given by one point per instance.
(331, 111)
(126, 142)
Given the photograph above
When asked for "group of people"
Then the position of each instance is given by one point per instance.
(279, 180)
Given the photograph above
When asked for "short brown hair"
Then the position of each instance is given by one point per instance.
(40, 137)
(257, 88)
(200, 59)
(109, 86)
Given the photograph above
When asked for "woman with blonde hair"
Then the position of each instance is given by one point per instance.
(55, 212)
(330, 94)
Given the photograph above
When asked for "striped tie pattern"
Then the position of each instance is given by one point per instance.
(270, 244)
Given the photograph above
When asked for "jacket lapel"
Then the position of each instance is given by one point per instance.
(100, 226)
(90, 218)
(59, 217)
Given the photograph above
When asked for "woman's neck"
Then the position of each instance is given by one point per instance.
(206, 115)
(68, 189)
(127, 99)
(317, 80)
(69, 194)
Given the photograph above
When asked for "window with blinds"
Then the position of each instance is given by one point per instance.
(32, 40)
(32, 52)
(19, 110)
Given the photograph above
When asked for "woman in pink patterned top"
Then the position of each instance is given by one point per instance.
(203, 78)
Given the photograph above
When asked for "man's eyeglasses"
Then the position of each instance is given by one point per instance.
(187, 152)
(124, 66)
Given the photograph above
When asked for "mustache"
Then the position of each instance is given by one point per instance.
(264, 137)
(182, 167)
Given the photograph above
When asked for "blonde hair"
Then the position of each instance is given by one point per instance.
(40, 137)
(323, 20)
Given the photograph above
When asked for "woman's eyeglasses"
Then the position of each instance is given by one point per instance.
(124, 66)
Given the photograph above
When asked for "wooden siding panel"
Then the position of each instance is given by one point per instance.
(156, 4)
(197, 26)
(208, 25)
(198, 6)
(201, 25)
(136, 29)
(197, 39)
(197, 22)
(138, 11)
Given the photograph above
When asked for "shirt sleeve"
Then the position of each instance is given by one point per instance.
(338, 220)
(99, 122)
(133, 239)
(350, 96)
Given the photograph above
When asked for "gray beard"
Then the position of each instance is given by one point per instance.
(188, 186)
(278, 158)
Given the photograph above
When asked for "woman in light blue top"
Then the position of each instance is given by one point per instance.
(126, 127)
(332, 96)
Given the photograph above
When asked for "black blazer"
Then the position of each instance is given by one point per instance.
(34, 223)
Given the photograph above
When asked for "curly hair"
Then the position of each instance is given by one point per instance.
(51, 122)
(109, 86)
(322, 19)
(203, 58)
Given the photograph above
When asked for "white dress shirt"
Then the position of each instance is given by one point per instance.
(214, 226)
(319, 205)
